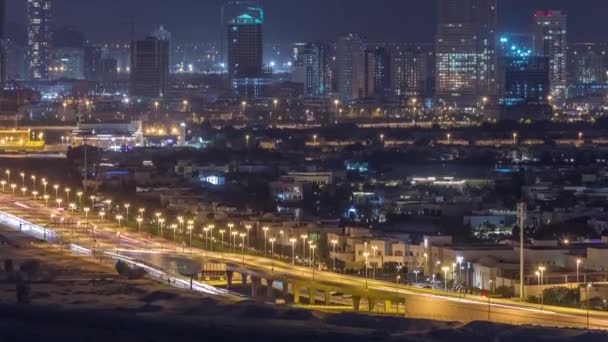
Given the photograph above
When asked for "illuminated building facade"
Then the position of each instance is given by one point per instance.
(230, 9)
(466, 50)
(245, 52)
(350, 67)
(550, 32)
(39, 38)
(411, 70)
(314, 59)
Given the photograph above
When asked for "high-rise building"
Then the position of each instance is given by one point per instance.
(39, 38)
(231, 9)
(93, 63)
(465, 50)
(378, 73)
(245, 47)
(2, 44)
(412, 70)
(350, 67)
(314, 61)
(550, 32)
(588, 63)
(245, 52)
(67, 63)
(149, 76)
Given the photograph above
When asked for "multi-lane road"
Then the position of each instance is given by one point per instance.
(107, 237)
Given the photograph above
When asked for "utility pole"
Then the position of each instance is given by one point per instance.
(521, 213)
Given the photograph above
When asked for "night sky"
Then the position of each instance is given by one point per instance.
(303, 20)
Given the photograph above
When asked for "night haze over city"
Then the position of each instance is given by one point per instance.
(337, 170)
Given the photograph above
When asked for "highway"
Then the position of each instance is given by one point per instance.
(420, 303)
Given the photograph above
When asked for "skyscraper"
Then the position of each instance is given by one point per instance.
(230, 9)
(350, 67)
(150, 67)
(411, 70)
(465, 50)
(245, 51)
(315, 61)
(2, 44)
(39, 38)
(550, 39)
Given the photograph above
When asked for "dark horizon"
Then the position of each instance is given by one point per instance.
(289, 21)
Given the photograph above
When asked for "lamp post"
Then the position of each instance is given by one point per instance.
(445, 277)
(334, 243)
(233, 239)
(293, 250)
(578, 263)
(304, 237)
(86, 215)
(542, 280)
(275, 102)
(265, 229)
(312, 264)
(174, 226)
(366, 255)
(127, 205)
(588, 288)
(272, 240)
(44, 183)
(248, 228)
(67, 194)
(79, 195)
(139, 221)
(119, 219)
(222, 231)
(459, 261)
(282, 235)
(416, 276)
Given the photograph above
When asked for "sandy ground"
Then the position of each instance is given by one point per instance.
(75, 299)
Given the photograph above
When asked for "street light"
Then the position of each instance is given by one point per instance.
(56, 187)
(334, 242)
(416, 276)
(79, 194)
(312, 263)
(578, 263)
(272, 240)
(119, 218)
(265, 229)
(86, 215)
(67, 194)
(127, 205)
(293, 250)
(139, 221)
(304, 237)
(248, 228)
(588, 288)
(366, 255)
(445, 277)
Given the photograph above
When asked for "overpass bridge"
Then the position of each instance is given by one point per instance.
(295, 281)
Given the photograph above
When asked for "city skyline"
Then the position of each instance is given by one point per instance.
(286, 22)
